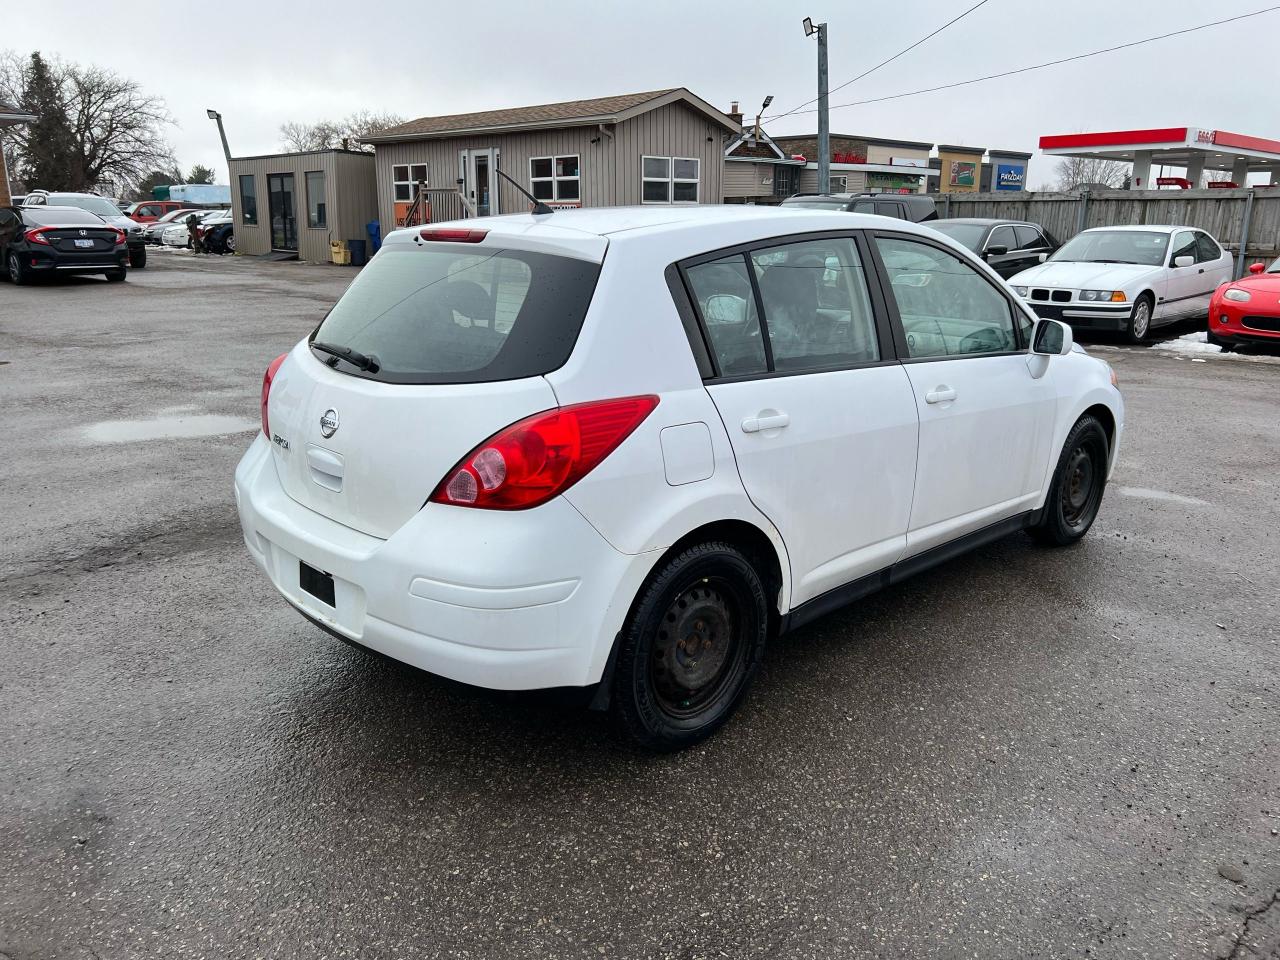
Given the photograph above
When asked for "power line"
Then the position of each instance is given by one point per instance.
(882, 63)
(1051, 63)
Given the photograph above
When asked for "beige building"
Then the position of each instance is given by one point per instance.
(862, 164)
(299, 202)
(961, 169)
(660, 147)
(9, 117)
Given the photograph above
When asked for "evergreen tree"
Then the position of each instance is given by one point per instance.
(50, 162)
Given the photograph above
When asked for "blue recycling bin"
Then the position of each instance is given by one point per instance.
(374, 229)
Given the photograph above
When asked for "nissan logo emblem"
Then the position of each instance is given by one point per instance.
(329, 423)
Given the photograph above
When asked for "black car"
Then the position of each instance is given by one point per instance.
(915, 207)
(1008, 246)
(47, 240)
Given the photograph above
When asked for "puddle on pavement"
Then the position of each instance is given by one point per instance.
(173, 427)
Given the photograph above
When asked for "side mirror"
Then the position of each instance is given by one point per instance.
(999, 250)
(1052, 338)
(1257, 267)
(1183, 261)
(1042, 257)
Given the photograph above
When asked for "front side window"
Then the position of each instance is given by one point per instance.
(890, 208)
(669, 179)
(1206, 248)
(946, 307)
(1003, 237)
(405, 177)
(1029, 238)
(1184, 245)
(556, 178)
(317, 209)
(248, 199)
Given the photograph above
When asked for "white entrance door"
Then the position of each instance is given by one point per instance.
(479, 181)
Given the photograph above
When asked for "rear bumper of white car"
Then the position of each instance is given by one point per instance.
(510, 600)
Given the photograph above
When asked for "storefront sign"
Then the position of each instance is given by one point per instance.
(893, 182)
(1222, 184)
(1182, 182)
(908, 162)
(848, 158)
(963, 173)
(1010, 176)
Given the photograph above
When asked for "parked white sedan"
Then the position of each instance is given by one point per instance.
(512, 460)
(1128, 278)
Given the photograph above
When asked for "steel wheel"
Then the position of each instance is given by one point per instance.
(1079, 487)
(696, 649)
(1079, 481)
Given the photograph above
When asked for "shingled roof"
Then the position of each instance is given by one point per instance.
(570, 113)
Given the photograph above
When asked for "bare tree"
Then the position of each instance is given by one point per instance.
(117, 128)
(299, 137)
(1075, 172)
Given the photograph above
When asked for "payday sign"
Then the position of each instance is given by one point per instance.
(1010, 176)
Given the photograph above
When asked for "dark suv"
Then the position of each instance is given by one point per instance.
(44, 239)
(1009, 246)
(915, 207)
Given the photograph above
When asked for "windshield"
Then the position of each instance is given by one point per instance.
(966, 234)
(1115, 246)
(99, 205)
(453, 315)
(1275, 266)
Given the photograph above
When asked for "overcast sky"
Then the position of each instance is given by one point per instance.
(264, 63)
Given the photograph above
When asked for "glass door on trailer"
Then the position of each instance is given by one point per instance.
(284, 217)
(479, 181)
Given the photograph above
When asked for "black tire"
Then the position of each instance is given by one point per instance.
(115, 276)
(1137, 329)
(138, 257)
(1226, 345)
(709, 595)
(1079, 480)
(15, 270)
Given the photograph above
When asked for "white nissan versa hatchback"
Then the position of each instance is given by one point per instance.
(621, 448)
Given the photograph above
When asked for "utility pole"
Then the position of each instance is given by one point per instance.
(217, 117)
(824, 120)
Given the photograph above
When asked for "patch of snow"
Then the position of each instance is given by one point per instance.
(1189, 343)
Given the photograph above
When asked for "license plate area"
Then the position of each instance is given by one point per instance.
(85, 244)
(317, 583)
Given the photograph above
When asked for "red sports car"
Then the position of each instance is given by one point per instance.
(1248, 310)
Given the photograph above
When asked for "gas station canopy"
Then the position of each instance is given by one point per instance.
(1194, 148)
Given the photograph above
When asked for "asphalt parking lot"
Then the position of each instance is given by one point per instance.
(1023, 753)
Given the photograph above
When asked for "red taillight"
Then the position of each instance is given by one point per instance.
(539, 457)
(36, 235)
(119, 235)
(266, 390)
(453, 234)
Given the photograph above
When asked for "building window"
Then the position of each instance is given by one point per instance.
(838, 184)
(317, 214)
(669, 179)
(556, 178)
(784, 181)
(405, 177)
(248, 199)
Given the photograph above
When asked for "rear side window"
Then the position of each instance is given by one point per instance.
(457, 315)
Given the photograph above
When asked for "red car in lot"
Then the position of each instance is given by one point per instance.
(1247, 310)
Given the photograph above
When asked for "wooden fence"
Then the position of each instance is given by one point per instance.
(1240, 219)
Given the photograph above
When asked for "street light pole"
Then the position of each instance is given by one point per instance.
(226, 150)
(824, 120)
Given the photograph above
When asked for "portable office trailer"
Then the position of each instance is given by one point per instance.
(299, 202)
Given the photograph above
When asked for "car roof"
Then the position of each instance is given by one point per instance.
(982, 221)
(688, 230)
(50, 214)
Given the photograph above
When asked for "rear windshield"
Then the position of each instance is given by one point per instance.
(99, 205)
(456, 315)
(56, 216)
(966, 234)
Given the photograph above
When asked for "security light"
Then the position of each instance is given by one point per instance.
(213, 114)
(767, 100)
(808, 26)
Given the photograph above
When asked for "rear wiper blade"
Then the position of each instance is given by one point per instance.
(353, 357)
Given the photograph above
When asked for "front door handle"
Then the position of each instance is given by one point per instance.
(940, 394)
(774, 421)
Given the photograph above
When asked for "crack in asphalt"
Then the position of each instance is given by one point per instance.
(1249, 917)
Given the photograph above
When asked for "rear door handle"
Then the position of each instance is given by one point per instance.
(940, 394)
(772, 422)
